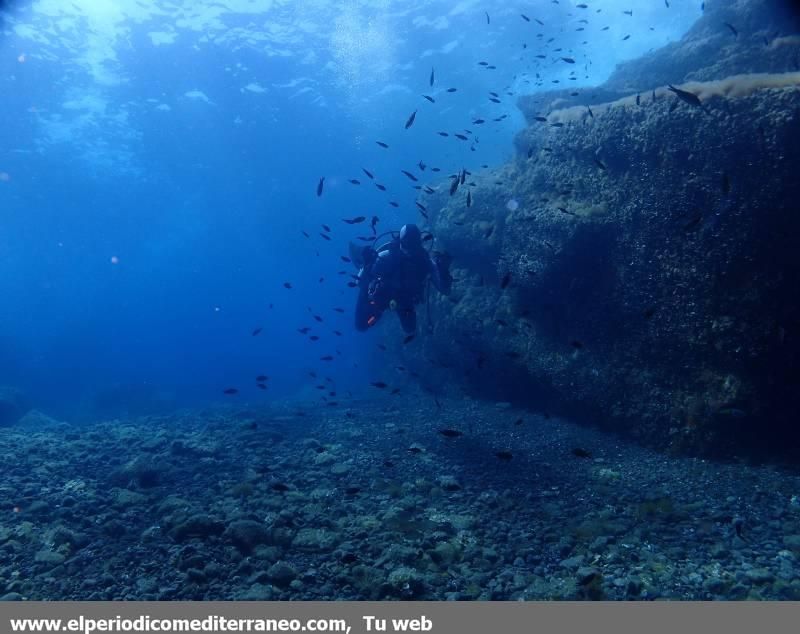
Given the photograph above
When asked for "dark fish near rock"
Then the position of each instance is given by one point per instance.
(450, 433)
(505, 456)
(600, 164)
(506, 280)
(581, 453)
(688, 97)
(469, 198)
(410, 120)
(453, 186)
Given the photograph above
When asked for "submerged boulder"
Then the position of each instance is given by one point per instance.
(645, 277)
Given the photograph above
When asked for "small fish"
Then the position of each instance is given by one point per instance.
(519, 421)
(287, 285)
(394, 204)
(327, 357)
(505, 456)
(325, 236)
(414, 449)
(568, 60)
(261, 378)
(382, 144)
(576, 344)
(352, 490)
(452, 89)
(647, 313)
(494, 99)
(379, 384)
(410, 175)
(591, 114)
(368, 173)
(354, 221)
(726, 184)
(261, 386)
(600, 164)
(408, 339)
(429, 98)
(488, 20)
(453, 186)
(374, 223)
(525, 17)
(628, 13)
(305, 234)
(460, 136)
(410, 120)
(326, 228)
(443, 133)
(422, 207)
(688, 97)
(320, 185)
(381, 187)
(557, 125)
(733, 30)
(638, 100)
(506, 280)
(257, 331)
(469, 198)
(432, 76)
(280, 487)
(450, 433)
(581, 453)
(230, 391)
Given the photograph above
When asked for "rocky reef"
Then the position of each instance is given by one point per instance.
(635, 265)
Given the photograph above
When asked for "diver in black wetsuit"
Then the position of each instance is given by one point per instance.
(394, 277)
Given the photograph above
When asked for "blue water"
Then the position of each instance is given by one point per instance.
(159, 161)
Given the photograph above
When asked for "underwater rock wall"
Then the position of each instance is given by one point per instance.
(647, 280)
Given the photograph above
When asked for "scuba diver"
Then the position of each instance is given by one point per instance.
(394, 275)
